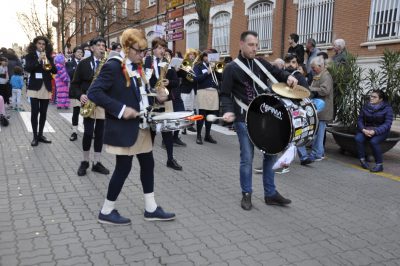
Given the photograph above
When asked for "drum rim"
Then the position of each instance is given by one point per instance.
(161, 116)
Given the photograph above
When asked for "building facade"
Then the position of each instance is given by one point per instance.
(368, 27)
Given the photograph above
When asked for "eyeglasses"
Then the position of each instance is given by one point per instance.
(139, 51)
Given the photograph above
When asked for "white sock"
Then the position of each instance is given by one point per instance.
(74, 129)
(96, 157)
(108, 206)
(150, 204)
(86, 155)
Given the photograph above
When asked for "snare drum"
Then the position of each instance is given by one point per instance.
(170, 121)
(274, 122)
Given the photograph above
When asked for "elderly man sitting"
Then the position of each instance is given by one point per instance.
(322, 86)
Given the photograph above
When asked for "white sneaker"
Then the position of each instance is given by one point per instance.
(282, 170)
(258, 170)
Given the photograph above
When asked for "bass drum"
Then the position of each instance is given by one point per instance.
(274, 122)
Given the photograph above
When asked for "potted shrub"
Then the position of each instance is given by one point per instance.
(351, 89)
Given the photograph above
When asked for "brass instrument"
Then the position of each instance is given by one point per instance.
(187, 66)
(46, 63)
(219, 67)
(88, 108)
(160, 88)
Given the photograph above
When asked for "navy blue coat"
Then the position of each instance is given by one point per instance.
(204, 80)
(33, 66)
(379, 119)
(110, 92)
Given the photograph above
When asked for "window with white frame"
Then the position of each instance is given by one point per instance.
(114, 12)
(90, 24)
(192, 34)
(84, 26)
(150, 36)
(136, 7)
(97, 23)
(124, 9)
(384, 20)
(260, 21)
(152, 2)
(314, 20)
(221, 31)
(72, 26)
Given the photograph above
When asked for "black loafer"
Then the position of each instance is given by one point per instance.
(82, 168)
(277, 199)
(210, 139)
(199, 141)
(34, 142)
(43, 139)
(73, 137)
(174, 165)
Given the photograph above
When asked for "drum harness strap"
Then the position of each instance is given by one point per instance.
(255, 78)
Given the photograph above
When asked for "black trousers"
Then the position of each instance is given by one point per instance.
(75, 115)
(96, 126)
(38, 106)
(168, 139)
(200, 123)
(122, 169)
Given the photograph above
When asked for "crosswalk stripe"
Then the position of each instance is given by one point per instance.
(68, 117)
(26, 117)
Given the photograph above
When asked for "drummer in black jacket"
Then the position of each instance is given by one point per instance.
(238, 84)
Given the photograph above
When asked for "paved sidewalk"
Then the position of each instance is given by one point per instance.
(340, 215)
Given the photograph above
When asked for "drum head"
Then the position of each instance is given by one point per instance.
(268, 124)
(171, 115)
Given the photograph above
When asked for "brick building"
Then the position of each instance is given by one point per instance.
(367, 26)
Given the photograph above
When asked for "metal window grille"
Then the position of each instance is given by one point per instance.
(124, 11)
(192, 34)
(221, 32)
(137, 6)
(314, 20)
(260, 21)
(384, 20)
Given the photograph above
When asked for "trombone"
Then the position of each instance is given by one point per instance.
(216, 67)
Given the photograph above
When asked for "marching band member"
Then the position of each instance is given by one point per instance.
(188, 85)
(118, 89)
(171, 82)
(207, 96)
(40, 65)
(76, 104)
(83, 77)
(237, 83)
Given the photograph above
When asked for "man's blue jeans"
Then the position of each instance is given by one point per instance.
(246, 163)
(374, 141)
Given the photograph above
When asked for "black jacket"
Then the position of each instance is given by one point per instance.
(82, 79)
(173, 86)
(110, 92)
(186, 85)
(33, 66)
(299, 51)
(71, 66)
(235, 82)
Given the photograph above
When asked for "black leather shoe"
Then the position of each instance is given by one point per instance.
(34, 142)
(82, 168)
(306, 161)
(277, 199)
(99, 168)
(246, 201)
(192, 129)
(179, 142)
(43, 139)
(210, 139)
(364, 164)
(174, 165)
(199, 141)
(73, 137)
(377, 168)
(184, 131)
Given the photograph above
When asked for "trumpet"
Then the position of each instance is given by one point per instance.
(46, 63)
(187, 66)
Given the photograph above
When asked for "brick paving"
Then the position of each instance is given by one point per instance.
(340, 215)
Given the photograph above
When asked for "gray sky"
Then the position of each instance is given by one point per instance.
(10, 29)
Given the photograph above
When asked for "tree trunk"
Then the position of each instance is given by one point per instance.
(203, 11)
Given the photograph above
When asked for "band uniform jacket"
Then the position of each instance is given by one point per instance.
(237, 83)
(71, 66)
(203, 78)
(33, 66)
(110, 92)
(171, 75)
(83, 77)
